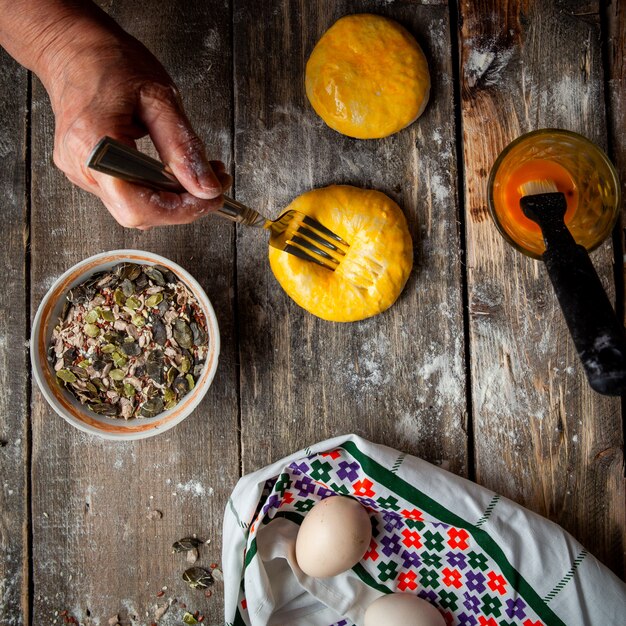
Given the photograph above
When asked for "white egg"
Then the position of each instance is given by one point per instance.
(333, 537)
(402, 609)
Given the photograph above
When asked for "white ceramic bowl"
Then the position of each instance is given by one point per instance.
(69, 407)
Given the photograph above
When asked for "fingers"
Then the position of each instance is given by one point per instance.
(133, 206)
(174, 138)
(220, 171)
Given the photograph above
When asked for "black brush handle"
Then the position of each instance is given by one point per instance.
(597, 333)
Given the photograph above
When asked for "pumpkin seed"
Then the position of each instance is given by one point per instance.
(159, 333)
(117, 374)
(139, 320)
(92, 316)
(154, 300)
(107, 315)
(66, 376)
(155, 276)
(198, 578)
(119, 297)
(186, 543)
(91, 330)
(133, 303)
(104, 409)
(127, 287)
(130, 348)
(119, 360)
(190, 381)
(182, 334)
(151, 407)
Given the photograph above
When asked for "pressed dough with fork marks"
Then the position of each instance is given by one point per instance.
(373, 273)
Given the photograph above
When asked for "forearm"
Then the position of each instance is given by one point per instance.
(43, 35)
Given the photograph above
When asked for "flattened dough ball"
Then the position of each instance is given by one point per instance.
(371, 276)
(367, 77)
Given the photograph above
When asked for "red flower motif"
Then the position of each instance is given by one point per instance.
(496, 583)
(452, 578)
(458, 538)
(529, 622)
(244, 604)
(411, 538)
(287, 498)
(335, 454)
(413, 514)
(372, 553)
(364, 488)
(483, 621)
(407, 581)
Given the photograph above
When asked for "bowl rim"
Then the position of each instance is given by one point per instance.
(114, 428)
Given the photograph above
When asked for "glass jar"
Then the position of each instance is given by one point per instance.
(578, 168)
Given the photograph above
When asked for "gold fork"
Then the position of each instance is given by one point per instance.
(294, 232)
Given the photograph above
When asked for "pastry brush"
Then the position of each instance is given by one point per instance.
(597, 333)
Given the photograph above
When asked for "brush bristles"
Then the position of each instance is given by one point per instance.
(537, 187)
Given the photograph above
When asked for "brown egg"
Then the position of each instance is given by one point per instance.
(402, 609)
(333, 537)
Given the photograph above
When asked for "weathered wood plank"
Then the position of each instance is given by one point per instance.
(398, 378)
(615, 21)
(96, 552)
(14, 415)
(543, 438)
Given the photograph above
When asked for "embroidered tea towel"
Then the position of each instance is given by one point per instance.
(481, 559)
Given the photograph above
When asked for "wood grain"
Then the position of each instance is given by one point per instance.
(543, 438)
(97, 553)
(14, 367)
(398, 378)
(615, 37)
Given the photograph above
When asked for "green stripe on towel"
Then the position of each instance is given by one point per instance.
(416, 497)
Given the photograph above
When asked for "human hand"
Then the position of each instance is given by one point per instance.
(104, 82)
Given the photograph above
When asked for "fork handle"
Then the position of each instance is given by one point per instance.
(121, 161)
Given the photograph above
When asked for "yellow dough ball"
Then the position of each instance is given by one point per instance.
(367, 77)
(371, 276)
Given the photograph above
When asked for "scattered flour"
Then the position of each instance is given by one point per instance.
(194, 488)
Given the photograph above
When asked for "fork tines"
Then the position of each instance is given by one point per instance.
(310, 239)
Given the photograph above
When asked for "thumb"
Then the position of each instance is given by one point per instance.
(175, 140)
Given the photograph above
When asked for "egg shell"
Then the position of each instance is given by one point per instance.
(402, 609)
(333, 537)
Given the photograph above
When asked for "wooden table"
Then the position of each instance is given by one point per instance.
(472, 369)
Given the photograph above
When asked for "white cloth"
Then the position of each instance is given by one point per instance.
(482, 560)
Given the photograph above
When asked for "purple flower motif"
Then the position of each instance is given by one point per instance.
(299, 468)
(305, 486)
(472, 603)
(410, 559)
(467, 620)
(391, 543)
(368, 502)
(440, 525)
(457, 559)
(322, 492)
(515, 608)
(348, 470)
(431, 596)
(475, 581)
(272, 503)
(393, 520)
